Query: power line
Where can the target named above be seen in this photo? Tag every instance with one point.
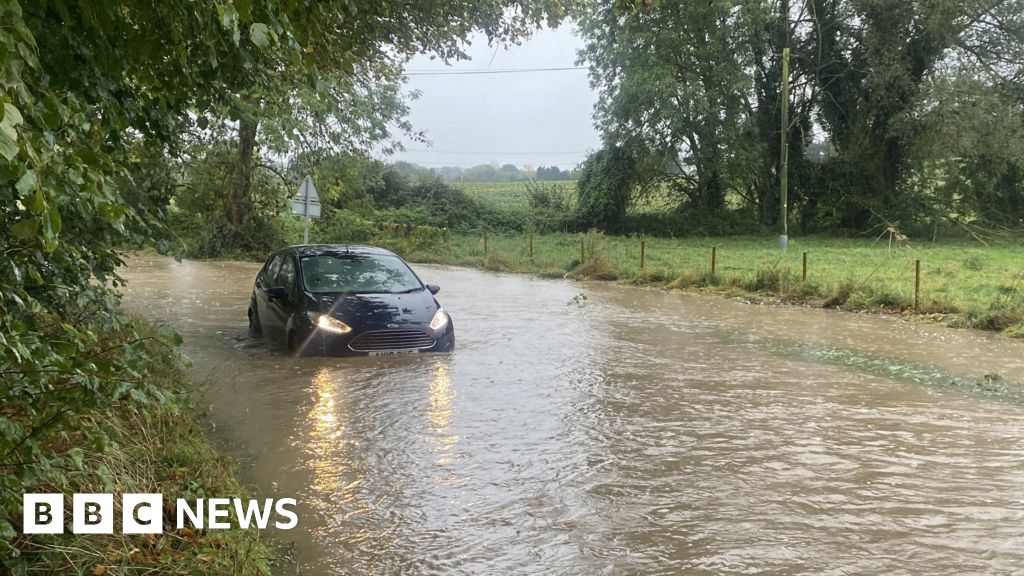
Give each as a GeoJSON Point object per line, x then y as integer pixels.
{"type": "Point", "coordinates": [483, 152]}
{"type": "Point", "coordinates": [490, 71]}
{"type": "Point", "coordinates": [439, 164]}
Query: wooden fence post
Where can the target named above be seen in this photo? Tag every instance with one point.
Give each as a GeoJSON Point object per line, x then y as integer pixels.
{"type": "Point", "coordinates": [531, 246]}
{"type": "Point", "coordinates": [642, 254]}
{"type": "Point", "coordinates": [804, 277]}
{"type": "Point", "coordinates": [917, 284]}
{"type": "Point", "coordinates": [714, 260]}
{"type": "Point", "coordinates": [485, 243]}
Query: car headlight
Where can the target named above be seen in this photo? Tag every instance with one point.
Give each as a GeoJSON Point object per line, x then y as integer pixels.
{"type": "Point", "coordinates": [440, 319]}
{"type": "Point", "coordinates": [328, 324]}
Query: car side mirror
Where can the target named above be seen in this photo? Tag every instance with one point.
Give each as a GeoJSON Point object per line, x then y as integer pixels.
{"type": "Point", "coordinates": [277, 292]}
{"type": "Point", "coordinates": [434, 288]}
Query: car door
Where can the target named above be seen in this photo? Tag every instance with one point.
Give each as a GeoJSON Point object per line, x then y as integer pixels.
{"type": "Point", "coordinates": [282, 308]}
{"type": "Point", "coordinates": [266, 280]}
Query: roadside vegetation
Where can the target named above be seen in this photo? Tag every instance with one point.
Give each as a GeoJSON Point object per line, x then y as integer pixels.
{"type": "Point", "coordinates": [971, 276]}
{"type": "Point", "coordinates": [134, 439]}
{"type": "Point", "coordinates": [127, 125]}
{"type": "Point", "coordinates": [962, 283]}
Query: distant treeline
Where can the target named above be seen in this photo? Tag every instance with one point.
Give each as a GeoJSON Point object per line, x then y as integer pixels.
{"type": "Point", "coordinates": [484, 173]}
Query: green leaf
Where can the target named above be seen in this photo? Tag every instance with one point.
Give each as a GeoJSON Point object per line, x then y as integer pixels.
{"type": "Point", "coordinates": [8, 135]}
{"type": "Point", "coordinates": [8, 145]}
{"type": "Point", "coordinates": [25, 229]}
{"type": "Point", "coordinates": [37, 203]}
{"type": "Point", "coordinates": [138, 396]}
{"type": "Point", "coordinates": [244, 8]}
{"type": "Point", "coordinates": [27, 55]}
{"type": "Point", "coordinates": [259, 34]}
{"type": "Point", "coordinates": [7, 531]}
{"type": "Point", "coordinates": [27, 183]}
{"type": "Point", "coordinates": [12, 116]}
{"type": "Point", "coordinates": [112, 212]}
{"type": "Point", "coordinates": [53, 112]}
{"type": "Point", "coordinates": [55, 220]}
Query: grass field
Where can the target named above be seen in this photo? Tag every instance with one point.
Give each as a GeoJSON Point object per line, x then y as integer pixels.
{"type": "Point", "coordinates": [962, 283]}
{"type": "Point", "coordinates": [513, 196]}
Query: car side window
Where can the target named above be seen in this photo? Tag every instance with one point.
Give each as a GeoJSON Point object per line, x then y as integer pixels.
{"type": "Point", "coordinates": [270, 274]}
{"type": "Point", "coordinates": [286, 277]}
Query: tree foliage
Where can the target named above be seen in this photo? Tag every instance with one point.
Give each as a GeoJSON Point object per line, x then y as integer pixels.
{"type": "Point", "coordinates": [95, 95]}
{"type": "Point", "coordinates": [892, 87]}
{"type": "Point", "coordinates": [608, 180]}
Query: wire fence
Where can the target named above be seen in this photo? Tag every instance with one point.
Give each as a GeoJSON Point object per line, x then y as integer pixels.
{"type": "Point", "coordinates": [862, 275]}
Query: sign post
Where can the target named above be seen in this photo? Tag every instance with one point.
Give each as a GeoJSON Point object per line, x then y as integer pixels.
{"type": "Point", "coordinates": [306, 204]}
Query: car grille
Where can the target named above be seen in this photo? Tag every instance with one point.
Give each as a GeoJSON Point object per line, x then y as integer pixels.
{"type": "Point", "coordinates": [391, 340]}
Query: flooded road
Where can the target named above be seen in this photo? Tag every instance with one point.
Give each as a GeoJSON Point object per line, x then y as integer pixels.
{"type": "Point", "coordinates": [631, 432]}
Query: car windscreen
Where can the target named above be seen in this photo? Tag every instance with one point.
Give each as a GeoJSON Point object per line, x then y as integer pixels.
{"type": "Point", "coordinates": [357, 274]}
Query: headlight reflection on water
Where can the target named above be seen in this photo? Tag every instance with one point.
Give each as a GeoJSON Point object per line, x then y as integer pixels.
{"type": "Point", "coordinates": [356, 479]}
{"type": "Point", "coordinates": [337, 474]}
{"type": "Point", "coordinates": [326, 433]}
{"type": "Point", "coordinates": [442, 396]}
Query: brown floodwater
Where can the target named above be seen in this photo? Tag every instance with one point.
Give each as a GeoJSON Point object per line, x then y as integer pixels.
{"type": "Point", "coordinates": [631, 432]}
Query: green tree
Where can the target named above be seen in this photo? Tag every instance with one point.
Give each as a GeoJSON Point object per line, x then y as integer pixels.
{"type": "Point", "coordinates": [693, 89]}
{"type": "Point", "coordinates": [878, 58]}
{"type": "Point", "coordinates": [510, 173]}
{"type": "Point", "coordinates": [481, 173]}
{"type": "Point", "coordinates": [676, 85]}
{"type": "Point", "coordinates": [970, 157]}
{"type": "Point", "coordinates": [609, 178]}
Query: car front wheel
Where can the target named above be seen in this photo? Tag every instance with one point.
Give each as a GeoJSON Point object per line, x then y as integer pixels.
{"type": "Point", "coordinates": [255, 329]}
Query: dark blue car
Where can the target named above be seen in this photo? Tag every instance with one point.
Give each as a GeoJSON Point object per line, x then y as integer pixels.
{"type": "Point", "coordinates": [347, 300]}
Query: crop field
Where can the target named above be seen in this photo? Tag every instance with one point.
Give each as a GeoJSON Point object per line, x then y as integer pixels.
{"type": "Point", "coordinates": [514, 196]}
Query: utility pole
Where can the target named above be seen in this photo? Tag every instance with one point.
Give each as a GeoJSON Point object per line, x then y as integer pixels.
{"type": "Point", "coordinates": [784, 155]}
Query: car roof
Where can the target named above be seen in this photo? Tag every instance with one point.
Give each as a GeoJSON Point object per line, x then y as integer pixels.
{"type": "Point", "coordinates": [303, 250]}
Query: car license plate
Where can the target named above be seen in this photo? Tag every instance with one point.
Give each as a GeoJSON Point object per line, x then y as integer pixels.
{"type": "Point", "coordinates": [393, 352]}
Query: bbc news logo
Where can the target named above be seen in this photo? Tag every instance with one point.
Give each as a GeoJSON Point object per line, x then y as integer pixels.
{"type": "Point", "coordinates": [144, 513]}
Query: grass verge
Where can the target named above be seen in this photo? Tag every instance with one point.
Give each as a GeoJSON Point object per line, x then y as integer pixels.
{"type": "Point", "coordinates": [146, 447]}
{"type": "Point", "coordinates": [962, 283]}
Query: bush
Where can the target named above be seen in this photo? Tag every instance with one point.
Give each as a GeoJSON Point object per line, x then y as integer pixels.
{"type": "Point", "coordinates": [767, 278]}
{"type": "Point", "coordinates": [256, 236]}
{"type": "Point", "coordinates": [105, 444]}
{"type": "Point", "coordinates": [650, 276]}
{"type": "Point", "coordinates": [433, 203]}
{"type": "Point", "coordinates": [341, 227]}
{"type": "Point", "coordinates": [995, 317]}
{"type": "Point", "coordinates": [606, 183]}
{"type": "Point", "coordinates": [595, 268]}
{"type": "Point", "coordinates": [694, 278]}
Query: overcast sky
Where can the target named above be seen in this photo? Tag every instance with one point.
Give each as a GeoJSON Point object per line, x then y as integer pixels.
{"type": "Point", "coordinates": [533, 118]}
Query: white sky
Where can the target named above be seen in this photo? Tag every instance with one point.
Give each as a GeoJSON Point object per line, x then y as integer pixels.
{"type": "Point", "coordinates": [533, 118]}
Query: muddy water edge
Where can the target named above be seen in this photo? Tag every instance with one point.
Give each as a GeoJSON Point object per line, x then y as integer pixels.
{"type": "Point", "coordinates": [632, 431]}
